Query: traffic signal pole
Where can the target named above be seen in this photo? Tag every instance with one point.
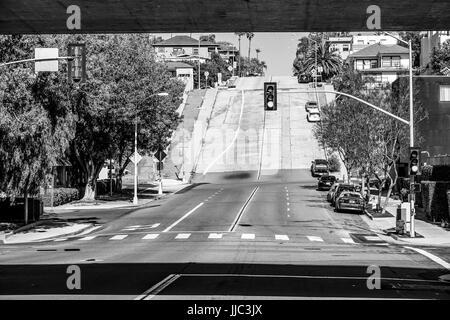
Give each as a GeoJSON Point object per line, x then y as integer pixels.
{"type": "Point", "coordinates": [411, 144]}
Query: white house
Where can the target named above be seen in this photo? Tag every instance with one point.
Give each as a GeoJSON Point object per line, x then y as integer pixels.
{"type": "Point", "coordinates": [385, 63]}
{"type": "Point", "coordinates": [362, 40]}
{"type": "Point", "coordinates": [182, 71]}
{"type": "Point", "coordinates": [184, 48]}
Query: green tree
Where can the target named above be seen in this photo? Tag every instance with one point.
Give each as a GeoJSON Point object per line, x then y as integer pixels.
{"type": "Point", "coordinates": [328, 59]}
{"type": "Point", "coordinates": [415, 42]}
{"type": "Point", "coordinates": [36, 123]}
{"type": "Point", "coordinates": [440, 58]}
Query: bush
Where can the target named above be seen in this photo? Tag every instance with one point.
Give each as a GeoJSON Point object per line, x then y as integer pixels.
{"type": "Point", "coordinates": [434, 199]}
{"type": "Point", "coordinates": [333, 163]}
{"type": "Point", "coordinates": [60, 196]}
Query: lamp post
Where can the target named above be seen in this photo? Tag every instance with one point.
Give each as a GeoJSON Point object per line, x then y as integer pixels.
{"type": "Point", "coordinates": [411, 132]}
{"type": "Point", "coordinates": [135, 197]}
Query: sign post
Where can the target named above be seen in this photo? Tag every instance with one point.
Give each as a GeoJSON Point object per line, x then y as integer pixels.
{"type": "Point", "coordinates": [160, 155]}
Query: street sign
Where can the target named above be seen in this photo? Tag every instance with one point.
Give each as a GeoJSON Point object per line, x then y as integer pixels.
{"type": "Point", "coordinates": [159, 166]}
{"type": "Point", "coordinates": [206, 74]}
{"type": "Point", "coordinates": [230, 68]}
{"type": "Point", "coordinates": [135, 158]}
{"type": "Point", "coordinates": [160, 155]}
{"type": "Point", "coordinates": [46, 66]}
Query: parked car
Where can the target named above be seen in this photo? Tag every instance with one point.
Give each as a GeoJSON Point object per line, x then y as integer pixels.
{"type": "Point", "coordinates": [331, 192]}
{"type": "Point", "coordinates": [350, 201]}
{"type": "Point", "coordinates": [341, 188]}
{"type": "Point", "coordinates": [304, 78]}
{"type": "Point", "coordinates": [325, 182]}
{"type": "Point", "coordinates": [313, 116]}
{"type": "Point", "coordinates": [319, 167]}
{"type": "Point", "coordinates": [311, 105]}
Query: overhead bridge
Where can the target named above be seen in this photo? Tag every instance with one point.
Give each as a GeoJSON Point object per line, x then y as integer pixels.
{"type": "Point", "coordinates": [130, 16]}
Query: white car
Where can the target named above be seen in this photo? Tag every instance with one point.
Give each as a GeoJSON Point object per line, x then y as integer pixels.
{"type": "Point", "coordinates": [313, 115]}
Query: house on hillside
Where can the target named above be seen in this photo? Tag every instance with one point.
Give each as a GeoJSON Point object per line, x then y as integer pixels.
{"type": "Point", "coordinates": [185, 48]}
{"type": "Point", "coordinates": [182, 71]}
{"type": "Point", "coordinates": [384, 63]}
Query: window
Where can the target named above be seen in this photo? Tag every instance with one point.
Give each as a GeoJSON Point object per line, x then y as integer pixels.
{"type": "Point", "coordinates": [345, 47]}
{"type": "Point", "coordinates": [444, 93]}
{"type": "Point", "coordinates": [195, 51]}
{"type": "Point", "coordinates": [391, 62]}
{"type": "Point", "coordinates": [177, 51]}
{"type": "Point", "coordinates": [161, 50]}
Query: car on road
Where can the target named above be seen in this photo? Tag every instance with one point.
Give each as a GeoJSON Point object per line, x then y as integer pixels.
{"type": "Point", "coordinates": [311, 105]}
{"type": "Point", "coordinates": [319, 167]}
{"type": "Point", "coordinates": [325, 182]}
{"type": "Point", "coordinates": [341, 188]}
{"type": "Point", "coordinates": [304, 78]}
{"type": "Point", "coordinates": [332, 190]}
{"type": "Point", "coordinates": [313, 116]}
{"type": "Point", "coordinates": [352, 201]}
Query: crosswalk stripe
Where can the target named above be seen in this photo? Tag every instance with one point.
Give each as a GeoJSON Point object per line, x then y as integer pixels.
{"type": "Point", "coordinates": [348, 240]}
{"type": "Point", "coordinates": [150, 236]}
{"type": "Point", "coordinates": [215, 236]}
{"type": "Point", "coordinates": [88, 238]}
{"type": "Point", "coordinates": [248, 236]}
{"type": "Point", "coordinates": [281, 237]}
{"type": "Point", "coordinates": [183, 236]}
{"type": "Point", "coordinates": [119, 237]}
{"type": "Point", "coordinates": [314, 238]}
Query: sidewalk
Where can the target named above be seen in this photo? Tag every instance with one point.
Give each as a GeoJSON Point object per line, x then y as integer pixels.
{"type": "Point", "coordinates": [79, 218]}
{"type": "Point", "coordinates": [427, 233]}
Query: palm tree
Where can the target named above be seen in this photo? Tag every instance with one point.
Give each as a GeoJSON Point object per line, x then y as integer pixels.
{"type": "Point", "coordinates": [249, 35]}
{"type": "Point", "coordinates": [257, 53]}
{"type": "Point", "coordinates": [328, 59]}
{"type": "Point", "coordinates": [239, 34]}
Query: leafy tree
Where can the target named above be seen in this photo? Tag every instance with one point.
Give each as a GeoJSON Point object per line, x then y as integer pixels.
{"type": "Point", "coordinates": [239, 35]}
{"type": "Point", "coordinates": [440, 58]}
{"type": "Point", "coordinates": [258, 51]}
{"type": "Point", "coordinates": [36, 124]}
{"type": "Point", "coordinates": [415, 41]}
{"type": "Point", "coordinates": [210, 38]}
{"type": "Point", "coordinates": [252, 66]}
{"type": "Point", "coordinates": [328, 59]}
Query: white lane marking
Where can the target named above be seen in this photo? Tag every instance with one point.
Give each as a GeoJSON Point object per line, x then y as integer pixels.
{"type": "Point", "coordinates": [157, 288]}
{"type": "Point", "coordinates": [372, 238]}
{"type": "Point", "coordinates": [288, 209]}
{"type": "Point", "coordinates": [119, 237]}
{"type": "Point", "coordinates": [348, 240]}
{"type": "Point", "coordinates": [314, 238]}
{"type": "Point", "coordinates": [183, 236]}
{"type": "Point", "coordinates": [183, 217]}
{"type": "Point", "coordinates": [215, 236]}
{"type": "Point", "coordinates": [87, 238]}
{"type": "Point", "coordinates": [248, 236]}
{"type": "Point", "coordinates": [281, 237]}
{"type": "Point", "coordinates": [137, 226]}
{"type": "Point", "coordinates": [61, 239]}
{"type": "Point", "coordinates": [232, 142]}
{"type": "Point", "coordinates": [288, 203]}
{"type": "Point", "coordinates": [151, 236]}
{"type": "Point", "coordinates": [431, 256]}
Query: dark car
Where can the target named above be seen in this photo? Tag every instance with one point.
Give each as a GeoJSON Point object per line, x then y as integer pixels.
{"type": "Point", "coordinates": [352, 201]}
{"type": "Point", "coordinates": [319, 167]}
{"type": "Point", "coordinates": [341, 188]}
{"type": "Point", "coordinates": [304, 78]}
{"type": "Point", "coordinates": [310, 105]}
{"type": "Point", "coordinates": [325, 182]}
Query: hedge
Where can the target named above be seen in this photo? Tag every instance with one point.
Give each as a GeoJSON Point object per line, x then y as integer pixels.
{"type": "Point", "coordinates": [435, 199]}
{"type": "Point", "coordinates": [60, 196]}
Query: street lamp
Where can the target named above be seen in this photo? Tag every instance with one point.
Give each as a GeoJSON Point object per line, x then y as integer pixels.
{"type": "Point", "coordinates": [135, 198]}
{"type": "Point", "coordinates": [411, 130]}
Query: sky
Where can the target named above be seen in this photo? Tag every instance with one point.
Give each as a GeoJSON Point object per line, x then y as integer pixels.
{"type": "Point", "coordinates": [277, 49]}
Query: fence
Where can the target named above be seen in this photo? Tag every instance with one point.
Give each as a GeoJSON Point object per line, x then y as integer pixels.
{"type": "Point", "coordinates": [438, 160]}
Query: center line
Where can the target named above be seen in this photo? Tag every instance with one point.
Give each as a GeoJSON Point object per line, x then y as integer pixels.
{"type": "Point", "coordinates": [182, 218]}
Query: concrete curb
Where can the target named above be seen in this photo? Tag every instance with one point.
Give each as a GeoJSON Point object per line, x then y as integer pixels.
{"type": "Point", "coordinates": [70, 234]}
{"type": "Point", "coordinates": [368, 214]}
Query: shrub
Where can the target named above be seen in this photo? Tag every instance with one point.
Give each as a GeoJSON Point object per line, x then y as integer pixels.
{"type": "Point", "coordinates": [60, 196]}
{"type": "Point", "coordinates": [103, 186]}
{"type": "Point", "coordinates": [333, 163]}
{"type": "Point", "coordinates": [435, 173]}
{"type": "Point", "coordinates": [434, 199]}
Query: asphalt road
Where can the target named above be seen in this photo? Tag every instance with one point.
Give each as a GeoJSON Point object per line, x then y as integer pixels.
{"type": "Point", "coordinates": [229, 236]}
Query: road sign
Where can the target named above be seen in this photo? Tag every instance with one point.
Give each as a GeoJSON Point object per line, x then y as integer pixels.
{"type": "Point", "coordinates": [159, 166]}
{"type": "Point", "coordinates": [206, 73]}
{"type": "Point", "coordinates": [160, 155]}
{"type": "Point", "coordinates": [230, 68]}
{"type": "Point", "coordinates": [46, 66]}
{"type": "Point", "coordinates": [135, 158]}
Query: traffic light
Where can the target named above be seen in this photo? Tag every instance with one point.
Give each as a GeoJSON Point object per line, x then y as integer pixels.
{"type": "Point", "coordinates": [77, 65]}
{"type": "Point", "coordinates": [414, 161]}
{"type": "Point", "coordinates": [270, 96]}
